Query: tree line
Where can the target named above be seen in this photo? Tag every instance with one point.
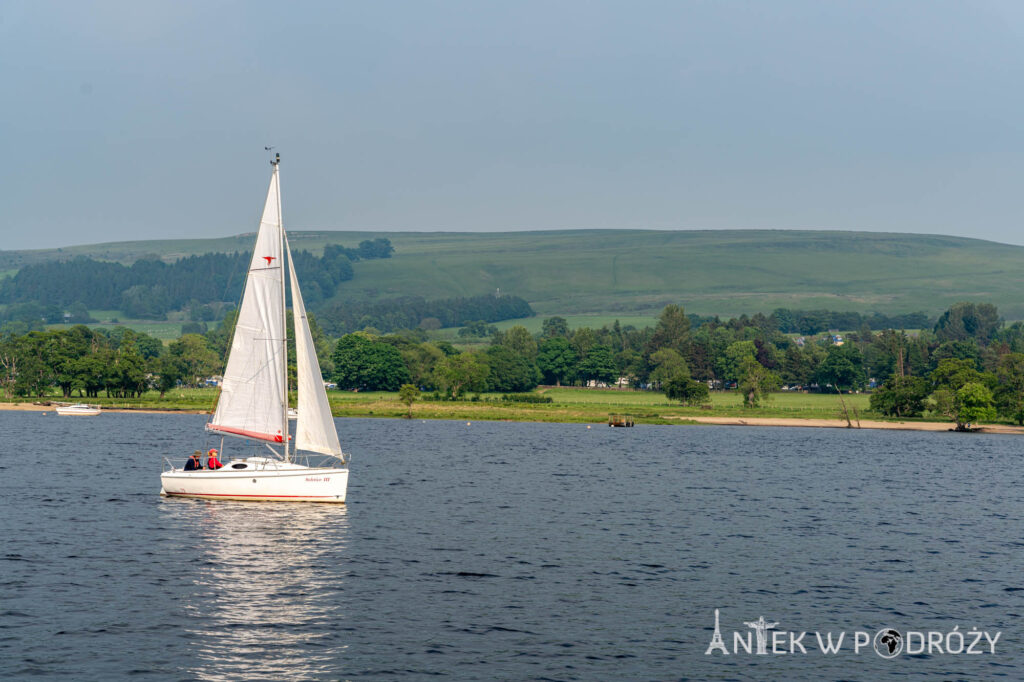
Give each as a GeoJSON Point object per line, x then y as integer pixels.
{"type": "Point", "coordinates": [122, 363]}
{"type": "Point", "coordinates": [817, 321]}
{"type": "Point", "coordinates": [83, 361]}
{"type": "Point", "coordinates": [412, 312]}
{"type": "Point", "coordinates": [968, 367]}
{"type": "Point", "coordinates": [150, 287]}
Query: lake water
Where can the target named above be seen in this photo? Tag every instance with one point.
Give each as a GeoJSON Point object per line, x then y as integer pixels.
{"type": "Point", "coordinates": [509, 551]}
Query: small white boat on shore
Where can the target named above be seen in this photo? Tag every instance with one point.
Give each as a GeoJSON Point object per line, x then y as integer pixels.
{"type": "Point", "coordinates": [253, 400]}
{"type": "Point", "coordinates": [78, 410]}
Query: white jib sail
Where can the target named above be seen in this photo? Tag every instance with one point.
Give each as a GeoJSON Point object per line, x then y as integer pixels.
{"type": "Point", "coordinates": [252, 394]}
{"type": "Point", "coordinates": [314, 428]}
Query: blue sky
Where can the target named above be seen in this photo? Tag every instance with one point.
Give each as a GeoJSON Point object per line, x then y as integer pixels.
{"type": "Point", "coordinates": [138, 120]}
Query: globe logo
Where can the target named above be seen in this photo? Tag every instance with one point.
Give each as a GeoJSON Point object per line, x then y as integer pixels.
{"type": "Point", "coordinates": [888, 643]}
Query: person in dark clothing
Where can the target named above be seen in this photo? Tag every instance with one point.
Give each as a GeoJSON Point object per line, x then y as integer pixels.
{"type": "Point", "coordinates": [194, 463]}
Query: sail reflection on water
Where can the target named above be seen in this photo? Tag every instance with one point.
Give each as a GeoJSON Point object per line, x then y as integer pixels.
{"type": "Point", "coordinates": [266, 603]}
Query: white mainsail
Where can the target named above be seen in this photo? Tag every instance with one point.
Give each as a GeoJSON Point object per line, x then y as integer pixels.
{"type": "Point", "coordinates": [251, 402]}
{"type": "Point", "coordinates": [314, 428]}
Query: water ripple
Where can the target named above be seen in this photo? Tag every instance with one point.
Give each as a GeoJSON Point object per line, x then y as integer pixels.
{"type": "Point", "coordinates": [507, 551]}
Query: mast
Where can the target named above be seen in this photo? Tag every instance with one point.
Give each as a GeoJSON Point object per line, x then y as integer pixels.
{"type": "Point", "coordinates": [284, 314]}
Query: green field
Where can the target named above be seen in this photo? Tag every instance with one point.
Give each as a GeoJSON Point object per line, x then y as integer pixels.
{"type": "Point", "coordinates": [569, 405]}
{"type": "Point", "coordinates": [163, 330]}
{"type": "Point", "coordinates": [638, 272]}
{"type": "Point", "coordinates": [632, 274]}
{"type": "Point", "coordinates": [724, 403]}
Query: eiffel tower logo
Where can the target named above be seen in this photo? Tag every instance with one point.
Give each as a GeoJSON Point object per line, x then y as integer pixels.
{"type": "Point", "coordinates": [716, 639]}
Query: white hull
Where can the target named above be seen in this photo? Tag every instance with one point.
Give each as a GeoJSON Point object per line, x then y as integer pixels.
{"type": "Point", "coordinates": [262, 480]}
{"type": "Point", "coordinates": [78, 411]}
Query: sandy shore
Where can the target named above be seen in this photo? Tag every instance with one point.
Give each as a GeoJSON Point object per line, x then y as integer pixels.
{"type": "Point", "coordinates": [841, 424]}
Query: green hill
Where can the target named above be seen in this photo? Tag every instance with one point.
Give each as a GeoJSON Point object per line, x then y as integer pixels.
{"type": "Point", "coordinates": [636, 272]}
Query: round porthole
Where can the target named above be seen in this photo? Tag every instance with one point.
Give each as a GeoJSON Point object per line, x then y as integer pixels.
{"type": "Point", "coordinates": [254, 480]}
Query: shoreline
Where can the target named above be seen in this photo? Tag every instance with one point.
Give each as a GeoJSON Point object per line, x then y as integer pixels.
{"type": "Point", "coordinates": [32, 407]}
{"type": "Point", "coordinates": [841, 424]}
{"type": "Point", "coordinates": [791, 422]}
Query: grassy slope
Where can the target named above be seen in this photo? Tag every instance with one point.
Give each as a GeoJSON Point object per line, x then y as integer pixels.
{"type": "Point", "coordinates": [711, 272]}
{"type": "Point", "coordinates": [633, 273]}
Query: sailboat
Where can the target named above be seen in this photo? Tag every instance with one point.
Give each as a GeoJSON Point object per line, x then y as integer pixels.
{"type": "Point", "coordinates": [253, 400]}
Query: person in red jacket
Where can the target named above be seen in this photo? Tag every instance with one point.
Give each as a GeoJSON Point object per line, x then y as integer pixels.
{"type": "Point", "coordinates": [211, 460]}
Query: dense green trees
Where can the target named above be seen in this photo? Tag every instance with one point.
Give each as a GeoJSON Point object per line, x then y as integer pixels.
{"type": "Point", "coordinates": [518, 339]}
{"type": "Point", "coordinates": [668, 364]}
{"type": "Point", "coordinates": [970, 368]}
{"type": "Point", "coordinates": [843, 367]}
{"type": "Point", "coordinates": [901, 397]}
{"type": "Point", "coordinates": [122, 363]}
{"type": "Point", "coordinates": [756, 382]}
{"type": "Point", "coordinates": [976, 321]}
{"type": "Point", "coordinates": [363, 363]}
{"type": "Point", "coordinates": [597, 365]}
{"type": "Point", "coordinates": [556, 360]}
{"type": "Point", "coordinates": [409, 312]}
{"type": "Point", "coordinates": [1009, 395]}
{"type": "Point", "coordinates": [962, 393]}
{"type": "Point", "coordinates": [193, 359]}
{"type": "Point", "coordinates": [553, 327]}
{"type": "Point", "coordinates": [811, 322]}
{"type": "Point", "coordinates": [509, 371]}
{"type": "Point", "coordinates": [970, 403]}
{"type": "Point", "coordinates": [730, 365]}
{"type": "Point", "coordinates": [149, 288]}
{"type": "Point", "coordinates": [456, 374]}
{"type": "Point", "coordinates": [686, 390]}
{"type": "Point", "coordinates": [672, 330]}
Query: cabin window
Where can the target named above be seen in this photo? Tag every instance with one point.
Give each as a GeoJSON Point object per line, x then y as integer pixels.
{"type": "Point", "coordinates": [239, 466]}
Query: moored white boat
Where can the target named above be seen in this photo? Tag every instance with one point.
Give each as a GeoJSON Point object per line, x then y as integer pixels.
{"type": "Point", "coordinates": [78, 410]}
{"type": "Point", "coordinates": [253, 402]}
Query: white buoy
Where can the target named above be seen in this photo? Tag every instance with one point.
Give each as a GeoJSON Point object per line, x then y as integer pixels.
{"type": "Point", "coordinates": [467, 423]}
{"type": "Point", "coordinates": [588, 426]}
